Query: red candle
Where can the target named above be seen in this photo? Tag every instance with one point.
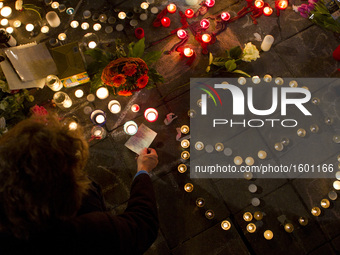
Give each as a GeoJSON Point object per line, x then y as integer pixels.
{"type": "Point", "coordinates": [151, 114]}
{"type": "Point", "coordinates": [259, 4]}
{"type": "Point", "coordinates": [189, 13]}
{"type": "Point", "coordinates": [205, 23]}
{"type": "Point", "coordinates": [171, 8]}
{"type": "Point", "coordinates": [166, 22]}
{"type": "Point", "coordinates": [188, 52]}
{"type": "Point", "coordinates": [225, 16]}
{"type": "Point", "coordinates": [267, 11]}
{"type": "Point", "coordinates": [210, 3]}
{"type": "Point", "coordinates": [182, 34]}
{"type": "Point", "coordinates": [206, 38]}
{"type": "Point", "coordinates": [135, 108]}
{"type": "Point", "coordinates": [139, 32]}
{"type": "Point", "coordinates": [282, 4]}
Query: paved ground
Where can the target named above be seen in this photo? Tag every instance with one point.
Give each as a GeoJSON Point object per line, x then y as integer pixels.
{"type": "Point", "coordinates": [300, 50]}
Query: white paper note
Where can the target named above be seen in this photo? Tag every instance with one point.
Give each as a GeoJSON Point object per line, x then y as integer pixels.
{"type": "Point", "coordinates": [142, 139]}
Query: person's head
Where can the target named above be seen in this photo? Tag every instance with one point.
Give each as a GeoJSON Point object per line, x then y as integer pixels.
{"type": "Point", "coordinates": [41, 175]}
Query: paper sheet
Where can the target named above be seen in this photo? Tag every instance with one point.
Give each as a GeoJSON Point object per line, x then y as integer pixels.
{"type": "Point", "coordinates": [142, 139]}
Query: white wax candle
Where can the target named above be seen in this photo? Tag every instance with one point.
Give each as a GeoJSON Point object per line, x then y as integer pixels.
{"type": "Point", "coordinates": [17, 23]}
{"type": "Point", "coordinates": [74, 24]}
{"type": "Point", "coordinates": [102, 93]}
{"type": "Point", "coordinates": [53, 19]}
{"type": "Point", "coordinates": [9, 30]}
{"type": "Point", "coordinates": [45, 29]}
{"type": "Point", "coordinates": [29, 27]}
{"type": "Point", "coordinates": [92, 44]}
{"type": "Point", "coordinates": [100, 119]}
{"type": "Point", "coordinates": [267, 42]}
{"type": "Point", "coordinates": [6, 11]}
{"type": "Point", "coordinates": [4, 22]}
{"type": "Point", "coordinates": [62, 36]}
{"type": "Point", "coordinates": [97, 27]}
{"type": "Point", "coordinates": [79, 93]}
{"type": "Point", "coordinates": [85, 26]}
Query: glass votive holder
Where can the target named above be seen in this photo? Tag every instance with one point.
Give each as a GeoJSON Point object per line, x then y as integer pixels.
{"type": "Point", "coordinates": [154, 10]}
{"type": "Point", "coordinates": [278, 146]}
{"type": "Point", "coordinates": [90, 40]}
{"type": "Point", "coordinates": [293, 84]}
{"type": "Point", "coordinates": [4, 22]}
{"type": "Point", "coordinates": [17, 23]}
{"type": "Point", "coordinates": [62, 100]}
{"type": "Point", "coordinates": [252, 188]}
{"type": "Point", "coordinates": [97, 27]}
{"type": "Point", "coordinates": [61, 7]}
{"type": "Point", "coordinates": [332, 195]}
{"type": "Point", "coordinates": [9, 30]}
{"type": "Point", "coordinates": [200, 202]}
{"type": "Point", "coordinates": [98, 117]}
{"type": "Point", "coordinates": [255, 201]}
{"type": "Point", "coordinates": [209, 214]}
{"type": "Point", "coordinates": [45, 29]}
{"type": "Point", "coordinates": [256, 79]}
{"type": "Point", "coordinates": [143, 17]}
{"type": "Point", "coordinates": [29, 27]}
{"type": "Point", "coordinates": [122, 15]}
{"type": "Point", "coordinates": [55, 5]}
{"type": "Point", "coordinates": [228, 152]}
{"type": "Point", "coordinates": [108, 29]}
{"type": "Point", "coordinates": [102, 93]}
{"type": "Point", "coordinates": [248, 176]}
{"type": "Point", "coordinates": [285, 141]}
{"type": "Point", "coordinates": [6, 12]}
{"type": "Point", "coordinates": [62, 37]}
{"type": "Point", "coordinates": [151, 114]}
{"type": "Point", "coordinates": [119, 27]}
{"type": "Point", "coordinates": [135, 108]}
{"type": "Point", "coordinates": [87, 14]}
{"type": "Point", "coordinates": [133, 23]}
{"type": "Point", "coordinates": [328, 121]}
{"type": "Point", "coordinates": [225, 225]}
{"type": "Point", "coordinates": [192, 113]}
{"type": "Point", "coordinates": [53, 42]}
{"type": "Point", "coordinates": [114, 106]}
{"type": "Point", "coordinates": [336, 185]}
{"type": "Point", "coordinates": [188, 187]}
{"type": "Point", "coordinates": [182, 168]}
{"type": "Point", "coordinates": [111, 20]}
{"type": "Point", "coordinates": [53, 82]}
{"type": "Point", "coordinates": [251, 227]}
{"type": "Point", "coordinates": [336, 138]}
{"type": "Point", "coordinates": [70, 11]}
{"type": "Point", "coordinates": [314, 128]}
{"type": "Point", "coordinates": [98, 132]}
{"type": "Point", "coordinates": [325, 203]}
{"type": "Point", "coordinates": [315, 101]}
{"type": "Point", "coordinates": [130, 127]}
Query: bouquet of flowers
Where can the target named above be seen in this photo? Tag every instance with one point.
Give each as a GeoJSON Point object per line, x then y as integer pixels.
{"type": "Point", "coordinates": [124, 73]}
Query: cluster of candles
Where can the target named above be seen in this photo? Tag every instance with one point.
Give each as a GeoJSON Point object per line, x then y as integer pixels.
{"type": "Point", "coordinates": [267, 10]}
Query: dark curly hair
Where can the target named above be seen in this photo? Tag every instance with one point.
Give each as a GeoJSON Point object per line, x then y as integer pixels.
{"type": "Point", "coordinates": [41, 175]}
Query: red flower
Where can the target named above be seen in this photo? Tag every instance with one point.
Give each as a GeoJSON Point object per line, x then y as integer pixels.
{"type": "Point", "coordinates": [129, 69]}
{"type": "Point", "coordinates": [142, 81]}
{"type": "Point", "coordinates": [39, 110]}
{"type": "Point", "coordinates": [118, 80]}
{"type": "Point", "coordinates": [125, 93]}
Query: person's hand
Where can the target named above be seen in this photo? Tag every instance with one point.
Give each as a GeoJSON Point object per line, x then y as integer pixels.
{"type": "Point", "coordinates": [147, 160]}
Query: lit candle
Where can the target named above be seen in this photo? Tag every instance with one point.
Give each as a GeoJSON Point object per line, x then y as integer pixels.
{"type": "Point", "coordinates": [102, 93]}
{"type": "Point", "coordinates": [165, 22]}
{"type": "Point", "coordinates": [185, 155]}
{"type": "Point", "coordinates": [199, 146]}
{"type": "Point", "coordinates": [98, 132]}
{"type": "Point", "coordinates": [184, 129]}
{"type": "Point", "coordinates": [98, 117]}
{"type": "Point", "coordinates": [200, 202]}
{"type": "Point", "coordinates": [258, 215]}
{"type": "Point", "coordinates": [151, 114]}
{"type": "Point", "coordinates": [144, 5]}
{"type": "Point", "coordinates": [205, 23]}
{"type": "Point", "coordinates": [249, 161]}
{"type": "Point", "coordinates": [92, 44]}
{"type": "Point", "coordinates": [248, 175]}
{"type": "Point", "coordinates": [135, 108]}
{"type": "Point", "coordinates": [267, 11]}
{"type": "Point", "coordinates": [17, 23]}
{"type": "Point", "coordinates": [278, 146]}
{"type": "Point", "coordinates": [70, 11]}
{"type": "Point", "coordinates": [97, 27]}
{"type": "Point", "coordinates": [225, 225]}
{"type": "Point", "coordinates": [316, 211]}
{"type": "Point", "coordinates": [289, 228]}
{"type": "Point", "coordinates": [267, 78]}
{"type": "Point", "coordinates": [337, 174]}
{"type": "Point", "coordinates": [268, 234]}
{"type": "Point", "coordinates": [301, 132]}
{"type": "Point", "coordinates": [219, 146]}
{"type": "Point", "coordinates": [85, 25]}
{"type": "Point", "coordinates": [130, 127]}
{"type": "Point", "coordinates": [256, 79]}
{"type": "Point", "coordinates": [188, 187]}
{"type": "Point", "coordinates": [4, 22]}
{"type": "Point", "coordinates": [325, 203]}
{"type": "Point", "coordinates": [189, 13]}
{"type": "Point", "coordinates": [210, 3]}
{"type": "Point", "coordinates": [262, 154]}
{"type": "Point", "coordinates": [182, 168]}
{"type": "Point", "coordinates": [185, 143]}
{"type": "Point", "coordinates": [29, 27]}
{"type": "Point", "coordinates": [225, 16]}
{"type": "Point", "coordinates": [238, 160]}
{"type": "Point", "coordinates": [267, 42]}
{"type": "Point", "coordinates": [259, 4]}
{"type": "Point", "coordinates": [74, 24]}
{"type": "Point", "coordinates": [171, 8]}
{"type": "Point", "coordinates": [293, 84]}
{"type": "Point", "coordinates": [102, 18]}
{"type": "Point", "coordinates": [6, 12]}
{"type": "Point", "coordinates": [336, 185]}
{"type": "Point", "coordinates": [1, 4]}
{"type": "Point", "coordinates": [247, 216]}
{"type": "Point", "coordinates": [251, 227]}
{"type": "Point", "coordinates": [45, 29]}
{"type": "Point", "coordinates": [206, 38]}
{"type": "Point", "coordinates": [55, 5]}
{"type": "Point", "coordinates": [122, 15]}
{"type": "Point", "coordinates": [181, 33]}
{"type": "Point", "coordinates": [209, 214]}
{"type": "Point", "coordinates": [241, 80]}
{"type": "Point", "coordinates": [62, 36]}
{"type": "Point", "coordinates": [282, 4]}
{"type": "Point", "coordinates": [303, 221]}
{"type": "Point", "coordinates": [79, 93]}
{"type": "Point", "coordinates": [314, 128]}
{"type": "Point", "coordinates": [188, 52]}
{"type": "Point", "coordinates": [9, 30]}
{"type": "Point", "coordinates": [73, 125]}
{"type": "Point", "coordinates": [114, 106]}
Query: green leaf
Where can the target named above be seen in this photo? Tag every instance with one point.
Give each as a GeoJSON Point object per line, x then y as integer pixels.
{"type": "Point", "coordinates": [96, 54]}
{"type": "Point", "coordinates": [222, 63]}
{"type": "Point", "coordinates": [155, 76]}
{"type": "Point", "coordinates": [219, 60]}
{"type": "Point", "coordinates": [208, 69]}
{"type": "Point", "coordinates": [235, 52]}
{"type": "Point", "coordinates": [230, 65]}
{"type": "Point", "coordinates": [138, 48]}
{"type": "Point", "coordinates": [130, 49]}
{"type": "Point", "coordinates": [211, 58]}
{"type": "Point", "coordinates": [241, 72]}
{"type": "Point", "coordinates": [96, 81]}
{"type": "Point", "coordinates": [152, 57]}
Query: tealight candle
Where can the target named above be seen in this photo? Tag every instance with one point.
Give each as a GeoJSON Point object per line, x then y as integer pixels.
{"type": "Point", "coordinates": [205, 23]}
{"type": "Point", "coordinates": [165, 22]}
{"type": "Point", "coordinates": [238, 160]}
{"type": "Point", "coordinates": [241, 81]}
{"type": "Point", "coordinates": [282, 4]}
{"type": "Point", "coordinates": [206, 38]}
{"type": "Point", "coordinates": [9, 30]}
{"type": "Point", "coordinates": [262, 154]}
{"type": "Point", "coordinates": [255, 201]}
{"type": "Point", "coordinates": [87, 14]}
{"type": "Point", "coordinates": [1, 4]}
{"type": "Point", "coordinates": [200, 202]}
{"type": "Point", "coordinates": [97, 27]}
{"type": "Point", "coordinates": [209, 214]}
{"type": "Point", "coordinates": [70, 11]}
{"type": "Point", "coordinates": [268, 234]}
{"type": "Point", "coordinates": [256, 79]}
{"type": "Point", "coordinates": [45, 29]}
{"type": "Point", "coordinates": [332, 195]}
{"type": "Point", "coordinates": [72, 125]}
{"type": "Point", "coordinates": [119, 27]}
{"type": "Point", "coordinates": [135, 108]}
{"type": "Point", "coordinates": [144, 5]}
{"type": "Point", "coordinates": [314, 128]}
{"type": "Point", "coordinates": [74, 24]}
{"type": "Point", "coordinates": [130, 127]}
{"type": "Point", "coordinates": [55, 5]}
{"type": "Point", "coordinates": [251, 227]}
{"type": "Point", "coordinates": [6, 12]}
{"type": "Point", "coordinates": [293, 84]}
{"type": "Point", "coordinates": [249, 161]}
{"type": "Point", "coordinates": [181, 33]}
{"type": "Point", "coordinates": [79, 93]}
{"type": "Point", "coordinates": [188, 187]}
{"type": "Point", "coordinates": [4, 22]}
{"type": "Point", "coordinates": [29, 27]}
{"type": "Point", "coordinates": [336, 185]}
{"type": "Point", "coordinates": [247, 216]}
{"type": "Point", "coordinates": [102, 18]}
{"type": "Point", "coordinates": [185, 155]}
{"type": "Point", "coordinates": [267, 11]}
{"type": "Point", "coordinates": [316, 211]}
{"type": "Point", "coordinates": [62, 36]}
{"type": "Point", "coordinates": [258, 215]}
{"type": "Point", "coordinates": [102, 93]}
{"type": "Point", "coordinates": [301, 132]}
{"type": "Point", "coordinates": [252, 188]}
{"type": "Point", "coordinates": [278, 146]}
{"type": "Point", "coordinates": [337, 175]}
{"type": "Point", "coordinates": [85, 25]}
{"type": "Point", "coordinates": [325, 203]}
{"type": "Point", "coordinates": [98, 117]}
{"type": "Point", "coordinates": [248, 175]}
{"type": "Point", "coordinates": [259, 4]}
{"type": "Point", "coordinates": [92, 44]}
{"type": "Point", "coordinates": [61, 7]}
{"type": "Point", "coordinates": [315, 100]}
{"type": "Point", "coordinates": [154, 10]}
{"type": "Point", "coordinates": [114, 106]}
{"type": "Point", "coordinates": [17, 23]}
{"type": "Point", "coordinates": [188, 52]}
{"type": "Point", "coordinates": [303, 221]}
{"type": "Point", "coordinates": [143, 17]}
{"type": "Point", "coordinates": [189, 13]}
{"type": "Point", "coordinates": [279, 81]}
{"type": "Point", "coordinates": [219, 147]}
{"type": "Point", "coordinates": [151, 114]}
{"type": "Point", "coordinates": [225, 16]}
{"type": "Point", "coordinates": [267, 42]}
{"type": "Point", "coordinates": [289, 228]}
{"type": "Point", "coordinates": [267, 78]}
{"type": "Point", "coordinates": [122, 15]}
{"type": "Point", "coordinates": [192, 113]}
{"type": "Point", "coordinates": [185, 143]}
{"type": "Point", "coordinates": [53, 82]}
{"type": "Point", "coordinates": [182, 168]}
{"type": "Point", "coordinates": [98, 132]}
{"type": "Point", "coordinates": [209, 3]}
{"type": "Point", "coordinates": [199, 146]}
{"type": "Point", "coordinates": [185, 129]}
{"type": "Point", "coordinates": [225, 225]}
{"type": "Point", "coordinates": [171, 8]}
